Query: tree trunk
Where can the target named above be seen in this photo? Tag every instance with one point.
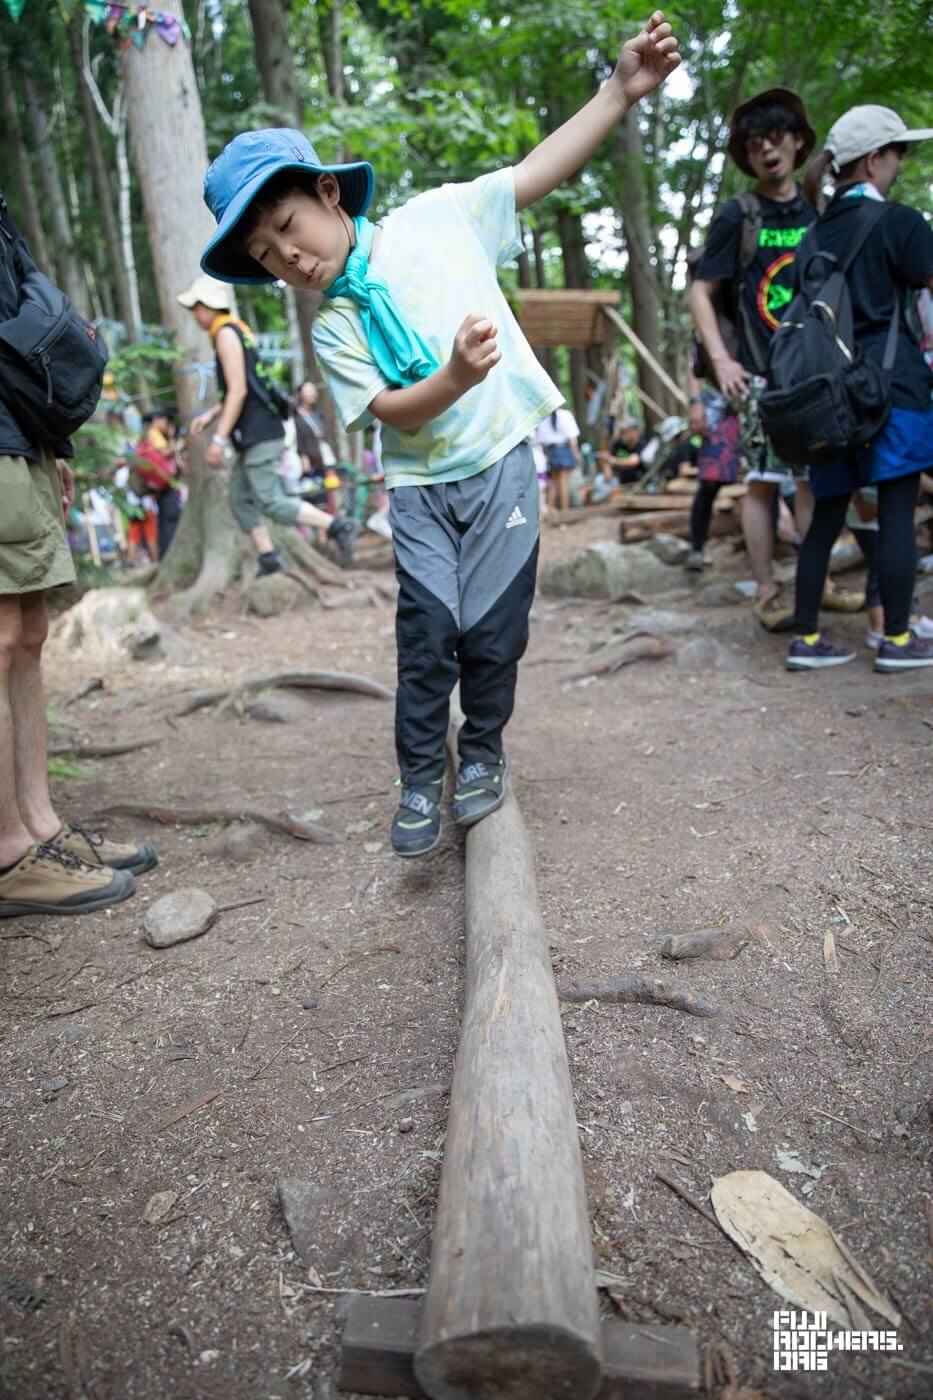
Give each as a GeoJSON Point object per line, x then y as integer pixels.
{"type": "Point", "coordinates": [167, 135]}
{"type": "Point", "coordinates": [68, 268]}
{"type": "Point", "coordinates": [576, 274]}
{"type": "Point", "coordinates": [32, 221]}
{"type": "Point", "coordinates": [547, 355]}
{"type": "Point", "coordinates": [637, 231]}
{"type": "Point", "coordinates": [330, 29]}
{"type": "Point", "coordinates": [274, 60]}
{"type": "Point", "coordinates": [103, 191]}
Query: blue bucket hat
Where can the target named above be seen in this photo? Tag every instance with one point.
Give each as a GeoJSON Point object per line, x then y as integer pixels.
{"type": "Point", "coordinates": [241, 170]}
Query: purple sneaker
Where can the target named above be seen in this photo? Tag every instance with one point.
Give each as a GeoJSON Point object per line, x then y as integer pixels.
{"type": "Point", "coordinates": [913, 653]}
{"type": "Point", "coordinates": [814, 656]}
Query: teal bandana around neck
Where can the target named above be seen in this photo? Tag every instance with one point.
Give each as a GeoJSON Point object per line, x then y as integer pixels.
{"type": "Point", "coordinates": [400, 354]}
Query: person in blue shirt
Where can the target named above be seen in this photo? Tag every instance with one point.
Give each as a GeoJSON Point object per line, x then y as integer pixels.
{"type": "Point", "coordinates": [414, 332]}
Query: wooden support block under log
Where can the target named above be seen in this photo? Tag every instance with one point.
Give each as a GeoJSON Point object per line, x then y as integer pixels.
{"type": "Point", "coordinates": [640, 1362]}
{"type": "Point", "coordinates": [510, 1311]}
{"type": "Point", "coordinates": [665, 501]}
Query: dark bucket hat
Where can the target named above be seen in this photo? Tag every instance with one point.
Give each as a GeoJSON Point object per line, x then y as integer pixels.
{"type": "Point", "coordinates": [243, 167]}
{"type": "Point", "coordinates": [786, 98]}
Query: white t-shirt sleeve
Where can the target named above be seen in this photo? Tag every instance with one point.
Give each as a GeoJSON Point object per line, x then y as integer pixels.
{"type": "Point", "coordinates": [347, 365]}
{"type": "Point", "coordinates": [489, 205]}
{"type": "Point", "coordinates": [567, 423]}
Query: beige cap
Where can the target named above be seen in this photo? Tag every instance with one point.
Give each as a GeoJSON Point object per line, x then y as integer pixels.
{"type": "Point", "coordinates": [862, 130]}
{"type": "Point", "coordinates": [218, 296]}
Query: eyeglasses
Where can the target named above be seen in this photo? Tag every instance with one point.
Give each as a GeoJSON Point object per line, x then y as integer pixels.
{"type": "Point", "coordinates": [774, 137]}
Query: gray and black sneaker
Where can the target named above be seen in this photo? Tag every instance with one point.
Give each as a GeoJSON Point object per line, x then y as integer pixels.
{"type": "Point", "coordinates": [416, 828]}
{"type": "Point", "coordinates": [270, 563]}
{"type": "Point", "coordinates": [480, 790]}
{"type": "Point", "coordinates": [342, 530]}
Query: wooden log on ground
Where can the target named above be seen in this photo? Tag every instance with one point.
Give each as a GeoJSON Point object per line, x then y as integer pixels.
{"type": "Point", "coordinates": [647, 1362]}
{"type": "Point", "coordinates": [633, 528]}
{"type": "Point", "coordinates": [511, 1309]}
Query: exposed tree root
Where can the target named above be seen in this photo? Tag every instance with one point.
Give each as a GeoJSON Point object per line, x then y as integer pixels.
{"type": "Point", "coordinates": [640, 646]}
{"type": "Point", "coordinates": [88, 749]}
{"type": "Point", "coordinates": [646, 991]}
{"type": "Point", "coordinates": [304, 555]}
{"type": "Point", "coordinates": [310, 680]}
{"type": "Point", "coordinates": [282, 822]}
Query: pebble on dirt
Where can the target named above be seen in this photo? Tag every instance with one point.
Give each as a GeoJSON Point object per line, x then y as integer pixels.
{"type": "Point", "coordinates": [177, 917]}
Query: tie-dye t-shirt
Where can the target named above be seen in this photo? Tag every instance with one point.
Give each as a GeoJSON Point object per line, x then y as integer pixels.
{"type": "Point", "coordinates": [438, 255]}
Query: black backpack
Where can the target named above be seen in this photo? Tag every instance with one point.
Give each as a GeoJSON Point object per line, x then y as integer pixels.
{"type": "Point", "coordinates": [51, 359]}
{"type": "Point", "coordinates": [728, 298]}
{"type": "Point", "coordinates": [824, 397]}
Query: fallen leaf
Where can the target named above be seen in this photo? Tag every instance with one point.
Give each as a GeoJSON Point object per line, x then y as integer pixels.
{"type": "Point", "coordinates": [830, 958]}
{"type": "Point", "coordinates": [749, 1120]}
{"type": "Point", "coordinates": [738, 1086]}
{"type": "Point", "coordinates": [314, 1277]}
{"type": "Point", "coordinates": [158, 1206]}
{"type": "Point", "coordinates": [794, 1250]}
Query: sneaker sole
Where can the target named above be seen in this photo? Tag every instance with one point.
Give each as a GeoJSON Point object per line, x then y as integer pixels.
{"type": "Point", "coordinates": [792, 664]}
{"type": "Point", "coordinates": [10, 909]}
{"type": "Point", "coordinates": [147, 859]}
{"type": "Point", "coordinates": [474, 817]}
{"type": "Point", "coordinates": [413, 855]}
{"type": "Point", "coordinates": [892, 666]}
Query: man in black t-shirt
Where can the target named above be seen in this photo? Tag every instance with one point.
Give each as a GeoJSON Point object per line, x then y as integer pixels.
{"type": "Point", "coordinates": [770, 138]}
{"type": "Point", "coordinates": [249, 433]}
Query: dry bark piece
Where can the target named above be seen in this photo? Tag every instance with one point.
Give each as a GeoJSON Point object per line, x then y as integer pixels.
{"type": "Point", "coordinates": [794, 1250]}
{"type": "Point", "coordinates": [645, 991]}
{"type": "Point", "coordinates": [88, 748]}
{"type": "Point", "coordinates": [714, 943]}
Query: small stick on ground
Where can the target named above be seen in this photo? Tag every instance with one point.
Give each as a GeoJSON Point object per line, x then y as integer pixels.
{"type": "Point", "coordinates": [273, 1058]}
{"type": "Point", "coordinates": [91, 684]}
{"type": "Point", "coordinates": [685, 1195]}
{"type": "Point", "coordinates": [645, 991]}
{"type": "Point", "coordinates": [197, 816]}
{"type": "Point", "coordinates": [189, 1108]}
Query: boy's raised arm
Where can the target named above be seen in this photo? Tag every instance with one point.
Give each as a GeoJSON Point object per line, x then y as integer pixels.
{"type": "Point", "coordinates": [644, 62]}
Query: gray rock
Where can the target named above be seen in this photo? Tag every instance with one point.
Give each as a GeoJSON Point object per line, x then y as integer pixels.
{"type": "Point", "coordinates": [270, 595]}
{"type": "Point", "coordinates": [717, 595]}
{"type": "Point", "coordinates": [268, 712]}
{"type": "Point", "coordinates": [177, 917]}
{"type": "Point", "coordinates": [241, 842]}
{"type": "Point", "coordinates": [50, 1087]}
{"type": "Point", "coordinates": [670, 549]}
{"type": "Point", "coordinates": [662, 622]}
{"type": "Point", "coordinates": [605, 570]}
{"type": "Point", "coordinates": [108, 624]}
{"type": "Point", "coordinates": [705, 654]}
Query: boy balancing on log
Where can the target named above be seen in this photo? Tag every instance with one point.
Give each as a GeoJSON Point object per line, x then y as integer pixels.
{"type": "Point", "coordinates": [415, 332]}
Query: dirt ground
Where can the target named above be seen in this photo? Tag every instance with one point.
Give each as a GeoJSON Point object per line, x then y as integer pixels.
{"type": "Point", "coordinates": [285, 1041]}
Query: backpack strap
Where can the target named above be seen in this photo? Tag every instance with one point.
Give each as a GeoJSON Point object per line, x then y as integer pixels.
{"type": "Point", "coordinates": [750, 205]}
{"type": "Point", "coordinates": [872, 212]}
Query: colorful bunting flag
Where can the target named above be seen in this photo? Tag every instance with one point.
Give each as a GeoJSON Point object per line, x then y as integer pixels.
{"type": "Point", "coordinates": [129, 24]}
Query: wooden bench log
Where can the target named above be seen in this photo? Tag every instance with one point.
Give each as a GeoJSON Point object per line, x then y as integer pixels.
{"type": "Point", "coordinates": [642, 1362]}
{"type": "Point", "coordinates": [511, 1307]}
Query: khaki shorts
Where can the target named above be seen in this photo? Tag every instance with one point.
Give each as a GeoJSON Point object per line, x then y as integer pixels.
{"type": "Point", "coordinates": [256, 490]}
{"type": "Point", "coordinates": [34, 553]}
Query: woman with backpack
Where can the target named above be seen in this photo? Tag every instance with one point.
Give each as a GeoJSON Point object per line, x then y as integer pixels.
{"type": "Point", "coordinates": [865, 148]}
{"type": "Point", "coordinates": [559, 436]}
{"type": "Point", "coordinates": [249, 433]}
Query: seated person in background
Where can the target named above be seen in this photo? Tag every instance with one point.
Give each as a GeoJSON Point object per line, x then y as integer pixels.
{"type": "Point", "coordinates": [155, 464]}
{"type": "Point", "coordinates": [625, 454]}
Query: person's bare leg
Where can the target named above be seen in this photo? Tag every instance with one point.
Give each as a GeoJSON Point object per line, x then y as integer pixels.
{"type": "Point", "coordinates": [313, 515]}
{"type": "Point", "coordinates": [758, 529]}
{"type": "Point", "coordinates": [803, 508]}
{"type": "Point", "coordinates": [15, 837]}
{"type": "Point", "coordinates": [563, 486]}
{"type": "Point", "coordinates": [261, 539]}
{"type": "Point", "coordinates": [30, 732]}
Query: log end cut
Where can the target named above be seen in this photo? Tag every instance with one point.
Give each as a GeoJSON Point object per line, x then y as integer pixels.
{"type": "Point", "coordinates": [520, 1362]}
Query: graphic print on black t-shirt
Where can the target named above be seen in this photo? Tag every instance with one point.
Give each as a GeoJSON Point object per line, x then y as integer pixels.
{"type": "Point", "coordinates": [768, 284]}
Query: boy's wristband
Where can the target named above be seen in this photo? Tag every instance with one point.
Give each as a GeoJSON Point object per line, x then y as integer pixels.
{"type": "Point", "coordinates": [220, 440]}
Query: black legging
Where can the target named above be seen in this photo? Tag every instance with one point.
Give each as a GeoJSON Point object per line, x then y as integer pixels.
{"type": "Point", "coordinates": [897, 554]}
{"type": "Point", "coordinates": [701, 513]}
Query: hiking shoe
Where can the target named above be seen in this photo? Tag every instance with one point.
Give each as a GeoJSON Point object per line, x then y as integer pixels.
{"type": "Point", "coordinates": [270, 563]}
{"type": "Point", "coordinates": [342, 531]}
{"type": "Point", "coordinates": [839, 599]}
{"type": "Point", "coordinates": [908, 653]}
{"type": "Point", "coordinates": [416, 828]}
{"type": "Point", "coordinates": [51, 880]}
{"type": "Point", "coordinates": [694, 562]}
{"type": "Point", "coordinates": [774, 613]}
{"type": "Point", "coordinates": [815, 653]}
{"type": "Point", "coordinates": [480, 790]}
{"type": "Point", "coordinates": [94, 849]}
